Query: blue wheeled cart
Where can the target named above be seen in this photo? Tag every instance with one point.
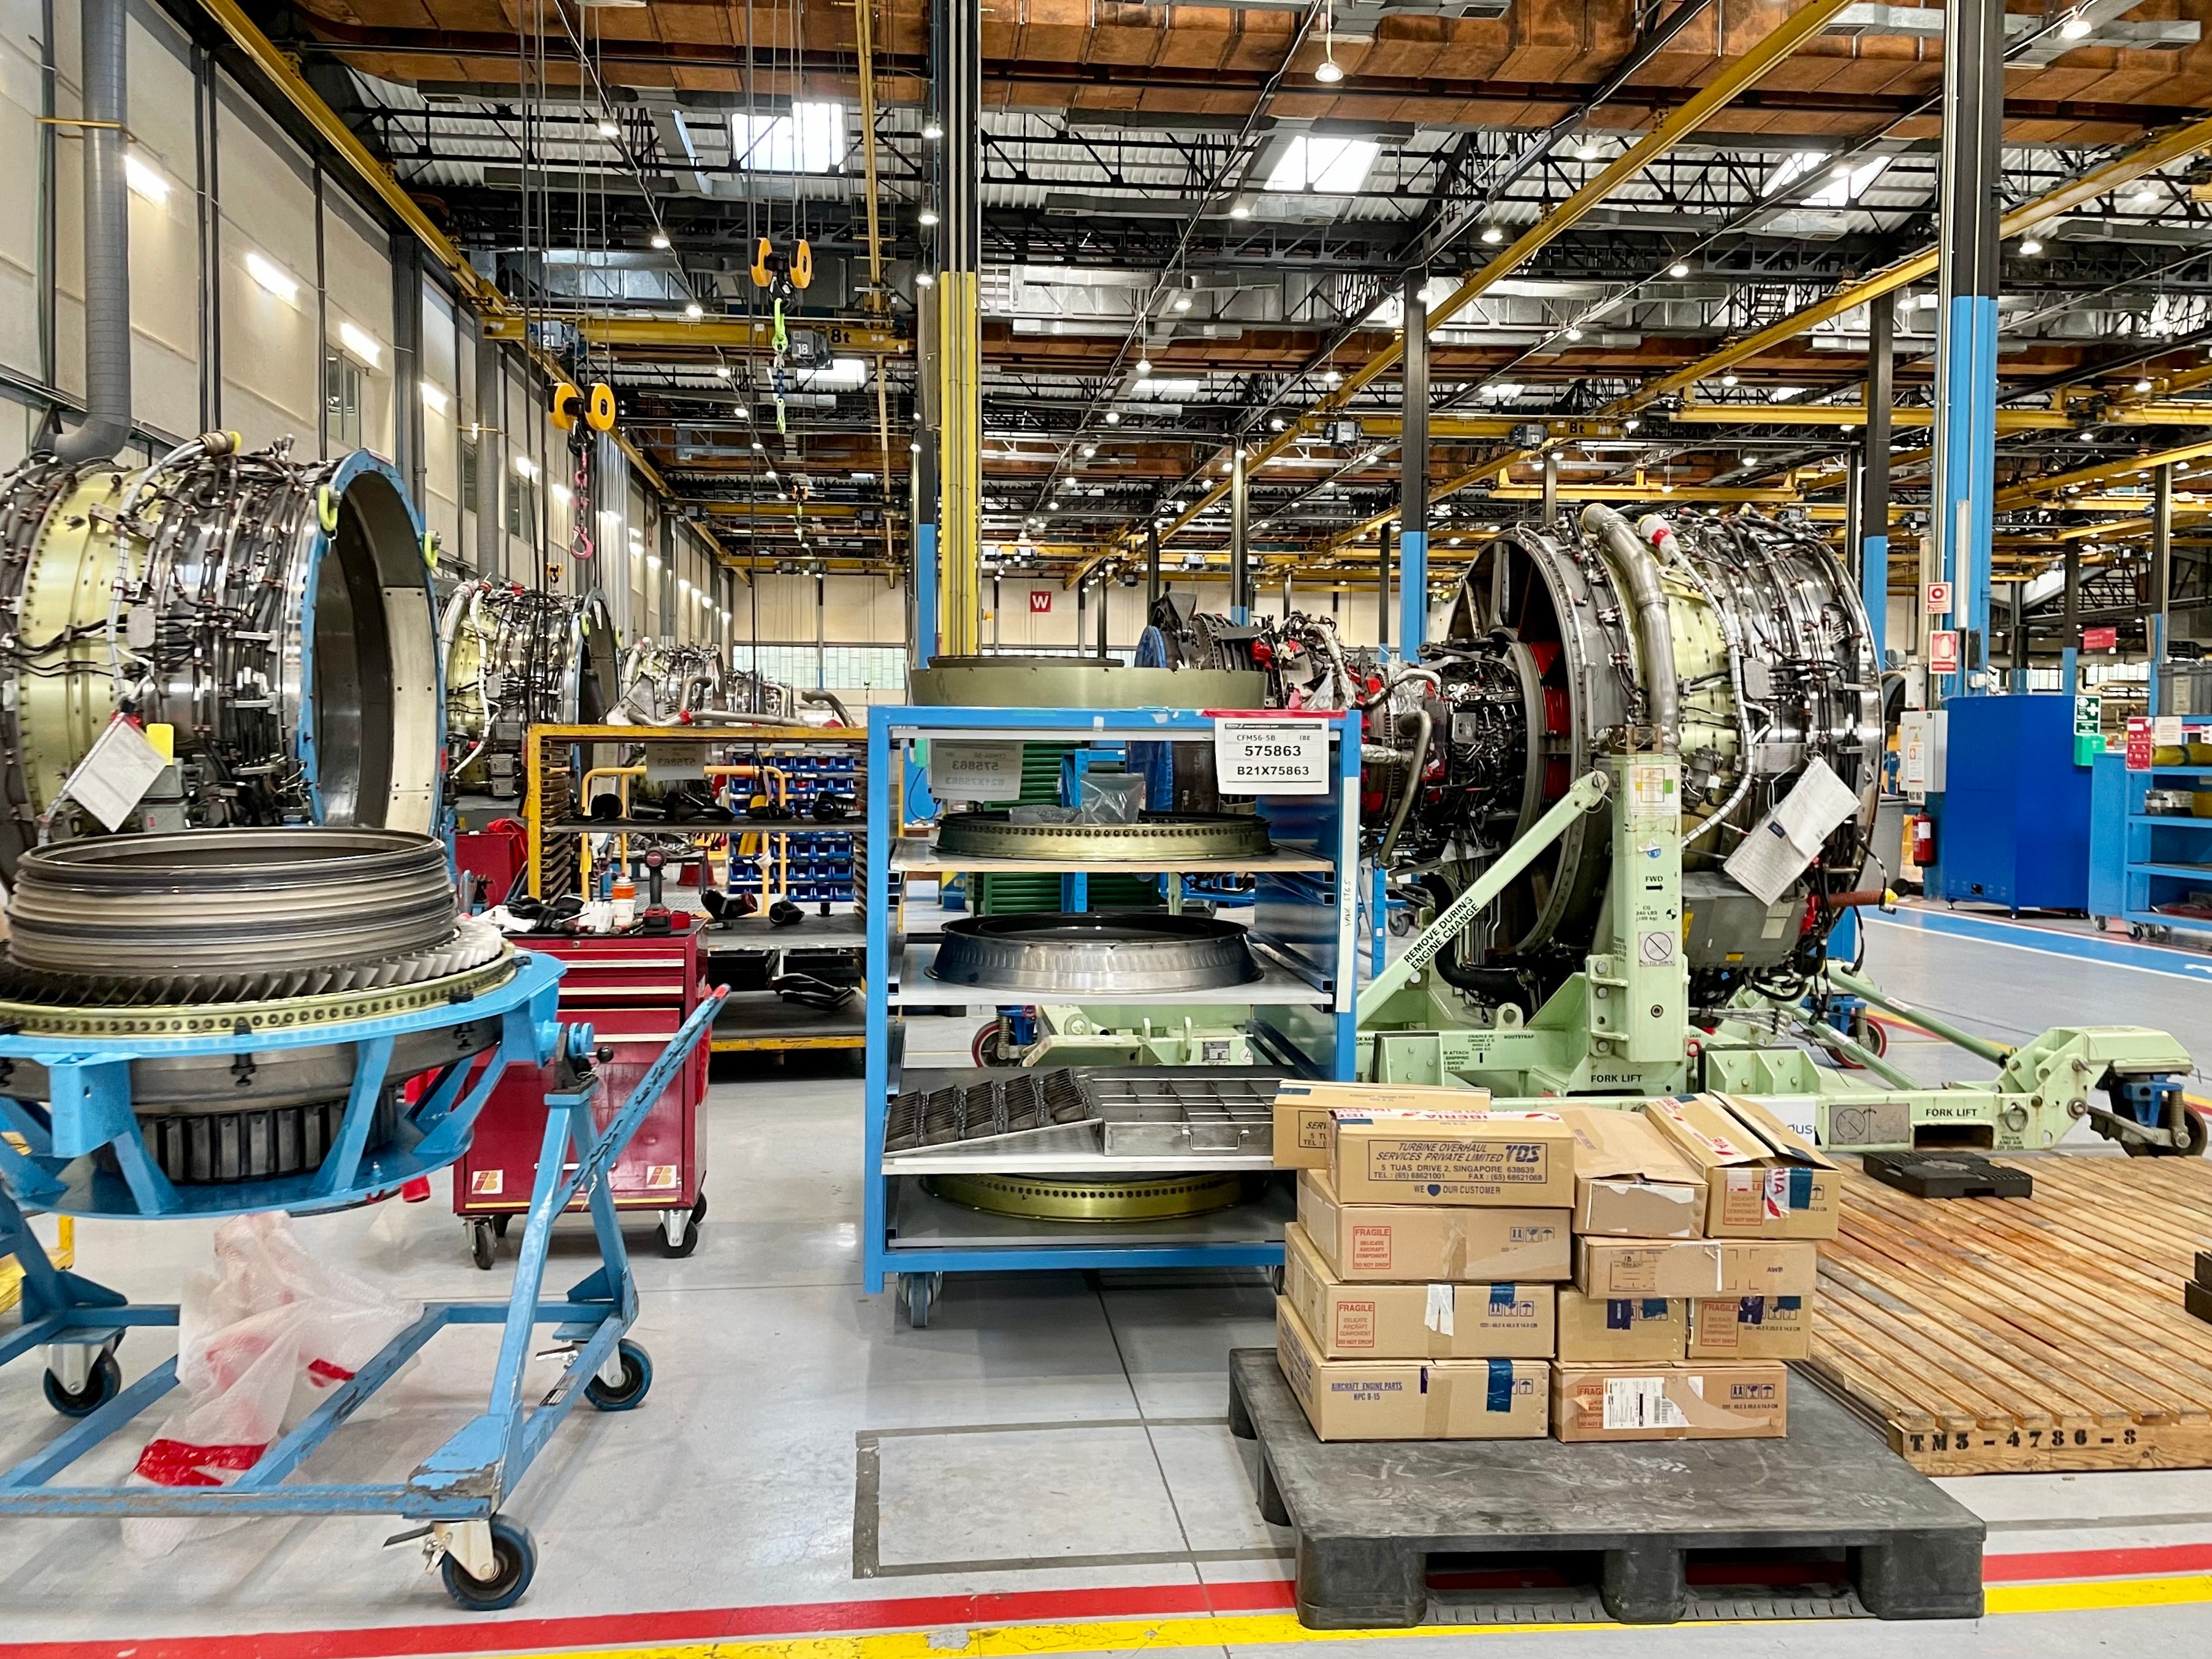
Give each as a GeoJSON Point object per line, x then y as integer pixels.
{"type": "Point", "coordinates": [82, 1154]}
{"type": "Point", "coordinates": [2166, 874]}
{"type": "Point", "coordinates": [1303, 931]}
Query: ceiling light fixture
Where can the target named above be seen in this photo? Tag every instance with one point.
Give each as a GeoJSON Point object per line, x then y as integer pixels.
{"type": "Point", "coordinates": [923, 279]}
{"type": "Point", "coordinates": [932, 131]}
{"type": "Point", "coordinates": [2075, 28]}
{"type": "Point", "coordinates": [1491, 235]}
{"type": "Point", "coordinates": [660, 241]}
{"type": "Point", "coordinates": [1144, 368]}
{"type": "Point", "coordinates": [1240, 211]}
{"type": "Point", "coordinates": [1728, 379]}
{"type": "Point", "coordinates": [1328, 71]}
{"type": "Point", "coordinates": [1332, 379]}
{"type": "Point", "coordinates": [607, 128]}
{"type": "Point", "coordinates": [694, 310]}
{"type": "Point", "coordinates": [1573, 333]}
{"type": "Point", "coordinates": [2142, 385]}
{"type": "Point", "coordinates": [1678, 270]}
{"type": "Point", "coordinates": [928, 218]}
{"type": "Point", "coordinates": [1112, 417]}
{"type": "Point", "coordinates": [1183, 303]}
{"type": "Point", "coordinates": [2031, 246]}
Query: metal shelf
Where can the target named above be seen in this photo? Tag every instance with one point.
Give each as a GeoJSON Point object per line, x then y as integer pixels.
{"type": "Point", "coordinates": [2183, 871]}
{"type": "Point", "coordinates": [2169, 820]}
{"type": "Point", "coordinates": [1278, 985]}
{"type": "Point", "coordinates": [915, 856]}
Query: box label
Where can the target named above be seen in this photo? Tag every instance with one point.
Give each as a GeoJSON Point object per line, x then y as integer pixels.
{"type": "Point", "coordinates": [1438, 1164]}
{"type": "Point", "coordinates": [1371, 1247]}
{"type": "Point", "coordinates": [960, 769]}
{"type": "Point", "coordinates": [1437, 1316]}
{"type": "Point", "coordinates": [1355, 1324]}
{"type": "Point", "coordinates": [1640, 1402]}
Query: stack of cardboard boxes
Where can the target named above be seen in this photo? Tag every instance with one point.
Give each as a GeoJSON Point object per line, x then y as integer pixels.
{"type": "Point", "coordinates": [1424, 1293]}
{"type": "Point", "coordinates": [1420, 1278]}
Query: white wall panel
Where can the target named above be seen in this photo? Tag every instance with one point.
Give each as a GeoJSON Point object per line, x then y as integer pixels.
{"type": "Point", "coordinates": [271, 360]}
{"type": "Point", "coordinates": [19, 103]}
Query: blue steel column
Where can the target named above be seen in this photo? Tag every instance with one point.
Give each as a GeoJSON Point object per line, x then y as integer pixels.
{"type": "Point", "coordinates": [1874, 484]}
{"type": "Point", "coordinates": [1413, 476]}
{"type": "Point", "coordinates": [1966, 343]}
{"type": "Point", "coordinates": [1240, 539]}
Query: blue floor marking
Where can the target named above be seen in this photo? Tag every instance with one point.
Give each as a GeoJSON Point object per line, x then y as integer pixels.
{"type": "Point", "coordinates": [2080, 947]}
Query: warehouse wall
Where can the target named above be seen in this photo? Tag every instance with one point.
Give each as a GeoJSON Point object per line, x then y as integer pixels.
{"type": "Point", "coordinates": [263, 286]}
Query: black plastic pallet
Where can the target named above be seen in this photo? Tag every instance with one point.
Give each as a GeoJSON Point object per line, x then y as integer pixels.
{"type": "Point", "coordinates": [2205, 1269]}
{"type": "Point", "coordinates": [2197, 1299]}
{"type": "Point", "coordinates": [1948, 1174]}
{"type": "Point", "coordinates": [1378, 1523]}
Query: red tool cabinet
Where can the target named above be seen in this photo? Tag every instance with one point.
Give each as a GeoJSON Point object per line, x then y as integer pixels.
{"type": "Point", "coordinates": [634, 989]}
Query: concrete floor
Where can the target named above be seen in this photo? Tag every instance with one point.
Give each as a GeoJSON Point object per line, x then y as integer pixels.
{"type": "Point", "coordinates": [1050, 1433]}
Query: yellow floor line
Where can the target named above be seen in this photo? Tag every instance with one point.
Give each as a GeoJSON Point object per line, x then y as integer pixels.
{"type": "Point", "coordinates": [1279, 1629]}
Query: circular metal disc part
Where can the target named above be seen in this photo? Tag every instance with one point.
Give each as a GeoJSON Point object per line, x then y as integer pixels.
{"type": "Point", "coordinates": [1134, 953]}
{"type": "Point", "coordinates": [1154, 838]}
{"type": "Point", "coordinates": [1091, 1198]}
{"type": "Point", "coordinates": [235, 915]}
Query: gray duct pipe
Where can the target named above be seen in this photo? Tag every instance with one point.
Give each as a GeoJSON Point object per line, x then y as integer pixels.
{"type": "Point", "coordinates": [1638, 574]}
{"type": "Point", "coordinates": [106, 242]}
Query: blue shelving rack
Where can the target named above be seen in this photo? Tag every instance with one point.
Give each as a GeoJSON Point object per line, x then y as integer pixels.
{"type": "Point", "coordinates": [1304, 929]}
{"type": "Point", "coordinates": [2168, 856]}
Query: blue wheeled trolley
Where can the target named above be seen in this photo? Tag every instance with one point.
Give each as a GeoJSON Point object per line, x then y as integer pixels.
{"type": "Point", "coordinates": [1303, 932]}
{"type": "Point", "coordinates": [2167, 865]}
{"type": "Point", "coordinates": [83, 1153]}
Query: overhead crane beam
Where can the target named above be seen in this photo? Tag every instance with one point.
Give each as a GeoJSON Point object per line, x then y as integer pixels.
{"type": "Point", "coordinates": [854, 336]}
{"type": "Point", "coordinates": [1733, 77]}
{"type": "Point", "coordinates": [2030, 490]}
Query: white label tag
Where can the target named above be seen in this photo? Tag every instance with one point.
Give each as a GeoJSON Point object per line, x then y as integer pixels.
{"type": "Point", "coordinates": [961, 770]}
{"type": "Point", "coordinates": [1270, 757]}
{"type": "Point", "coordinates": [1641, 1403]}
{"type": "Point", "coordinates": [1799, 1114]}
{"type": "Point", "coordinates": [115, 774]}
{"type": "Point", "coordinates": [2165, 730]}
{"type": "Point", "coordinates": [1438, 1318]}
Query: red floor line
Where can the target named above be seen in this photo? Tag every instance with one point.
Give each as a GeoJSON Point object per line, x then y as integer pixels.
{"type": "Point", "coordinates": [903, 1612]}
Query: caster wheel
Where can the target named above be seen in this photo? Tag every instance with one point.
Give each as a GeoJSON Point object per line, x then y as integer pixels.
{"type": "Point", "coordinates": [1870, 1035]}
{"type": "Point", "coordinates": [2100, 923]}
{"type": "Point", "coordinates": [499, 1226]}
{"type": "Point", "coordinates": [103, 1386]}
{"type": "Point", "coordinates": [1401, 923]}
{"type": "Point", "coordinates": [2135, 931]}
{"type": "Point", "coordinates": [637, 1381]}
{"type": "Point", "coordinates": [2193, 1129]}
{"type": "Point", "coordinates": [480, 1244]}
{"type": "Point", "coordinates": [919, 1290]}
{"type": "Point", "coordinates": [679, 1230]}
{"type": "Point", "coordinates": [516, 1553]}
{"type": "Point", "coordinates": [989, 1047]}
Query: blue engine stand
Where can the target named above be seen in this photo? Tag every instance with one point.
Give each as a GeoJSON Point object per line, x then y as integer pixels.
{"type": "Point", "coordinates": [487, 1561]}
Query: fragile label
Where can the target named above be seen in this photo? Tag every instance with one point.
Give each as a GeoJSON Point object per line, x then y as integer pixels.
{"type": "Point", "coordinates": [1355, 1324]}
{"type": "Point", "coordinates": [1371, 1247]}
{"type": "Point", "coordinates": [1272, 758]}
{"type": "Point", "coordinates": [1640, 1402]}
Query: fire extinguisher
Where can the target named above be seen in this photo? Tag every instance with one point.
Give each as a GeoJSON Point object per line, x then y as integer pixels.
{"type": "Point", "coordinates": [1924, 841]}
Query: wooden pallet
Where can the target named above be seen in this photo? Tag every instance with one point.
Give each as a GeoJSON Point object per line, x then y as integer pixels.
{"type": "Point", "coordinates": [1991, 1336]}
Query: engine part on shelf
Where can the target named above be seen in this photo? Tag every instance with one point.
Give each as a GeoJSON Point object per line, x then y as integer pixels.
{"type": "Point", "coordinates": [277, 615]}
{"type": "Point", "coordinates": [1034, 1117]}
{"type": "Point", "coordinates": [516, 657]}
{"type": "Point", "coordinates": [1091, 1198]}
{"type": "Point", "coordinates": [1060, 953]}
{"type": "Point", "coordinates": [235, 933]}
{"type": "Point", "coordinates": [1040, 681]}
{"type": "Point", "coordinates": [1155, 837]}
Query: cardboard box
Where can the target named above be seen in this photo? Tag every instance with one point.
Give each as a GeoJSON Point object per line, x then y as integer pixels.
{"type": "Point", "coordinates": [1695, 1267]}
{"type": "Point", "coordinates": [1413, 1322]}
{"type": "Point", "coordinates": [1752, 1328]}
{"type": "Point", "coordinates": [1302, 1113]}
{"type": "Point", "coordinates": [1411, 1399]}
{"type": "Point", "coordinates": [1366, 1243]}
{"type": "Point", "coordinates": [1764, 1180]}
{"type": "Point", "coordinates": [1390, 1155]}
{"type": "Point", "coordinates": [1630, 1182]}
{"type": "Point", "coordinates": [1690, 1402]}
{"type": "Point", "coordinates": [1621, 1329]}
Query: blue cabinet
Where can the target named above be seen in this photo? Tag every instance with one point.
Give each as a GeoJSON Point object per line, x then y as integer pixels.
{"type": "Point", "coordinates": [2012, 824]}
